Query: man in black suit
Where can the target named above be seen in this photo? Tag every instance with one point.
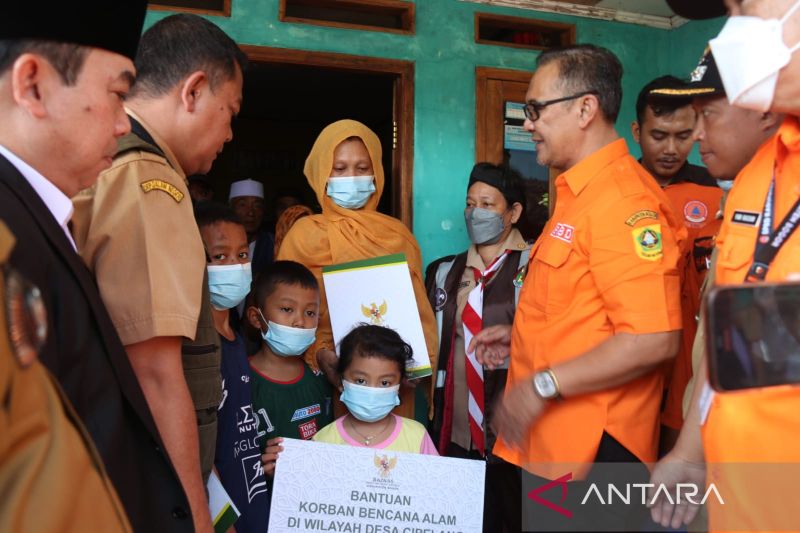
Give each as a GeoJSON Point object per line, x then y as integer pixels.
{"type": "Point", "coordinates": [64, 71]}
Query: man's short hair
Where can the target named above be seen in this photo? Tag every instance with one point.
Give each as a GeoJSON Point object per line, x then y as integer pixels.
{"type": "Point", "coordinates": [586, 67]}
{"type": "Point", "coordinates": [178, 45]}
{"type": "Point", "coordinates": [660, 105]}
{"type": "Point", "coordinates": [66, 58]}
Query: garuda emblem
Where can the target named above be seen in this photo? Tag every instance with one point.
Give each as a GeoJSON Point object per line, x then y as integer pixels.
{"type": "Point", "coordinates": [375, 313]}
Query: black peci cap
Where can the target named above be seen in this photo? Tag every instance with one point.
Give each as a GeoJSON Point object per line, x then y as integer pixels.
{"type": "Point", "coordinates": [705, 81]}
{"type": "Point", "coordinates": [698, 9]}
{"type": "Point", "coordinates": [503, 178]}
{"type": "Point", "coordinates": [113, 25]}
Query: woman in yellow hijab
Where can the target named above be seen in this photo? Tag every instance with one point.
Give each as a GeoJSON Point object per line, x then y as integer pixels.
{"type": "Point", "coordinates": [344, 169]}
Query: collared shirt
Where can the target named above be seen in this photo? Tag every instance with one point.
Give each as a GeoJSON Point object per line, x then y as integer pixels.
{"type": "Point", "coordinates": [58, 203]}
{"type": "Point", "coordinates": [461, 434]}
{"type": "Point", "coordinates": [756, 425]}
{"type": "Point", "coordinates": [694, 197]}
{"type": "Point", "coordinates": [135, 230]}
{"type": "Point", "coordinates": [606, 263]}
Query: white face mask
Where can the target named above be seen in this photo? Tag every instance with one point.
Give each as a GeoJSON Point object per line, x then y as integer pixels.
{"type": "Point", "coordinates": [750, 52]}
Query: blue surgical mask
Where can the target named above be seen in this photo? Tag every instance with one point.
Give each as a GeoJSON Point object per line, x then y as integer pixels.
{"type": "Point", "coordinates": [287, 341]}
{"type": "Point", "coordinates": [228, 284]}
{"type": "Point", "coordinates": [725, 185]}
{"type": "Point", "coordinates": [369, 404]}
{"type": "Point", "coordinates": [351, 192]}
{"type": "Point", "coordinates": [483, 226]}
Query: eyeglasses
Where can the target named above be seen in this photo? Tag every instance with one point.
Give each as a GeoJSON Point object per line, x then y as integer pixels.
{"type": "Point", "coordinates": [533, 109]}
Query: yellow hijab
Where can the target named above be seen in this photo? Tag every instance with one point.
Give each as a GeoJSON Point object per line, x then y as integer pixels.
{"type": "Point", "coordinates": [339, 235]}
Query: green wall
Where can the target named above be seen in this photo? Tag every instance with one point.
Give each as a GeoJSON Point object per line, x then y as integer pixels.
{"type": "Point", "coordinates": [445, 55]}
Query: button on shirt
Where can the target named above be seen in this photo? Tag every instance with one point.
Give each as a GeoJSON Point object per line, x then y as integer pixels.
{"type": "Point", "coordinates": [58, 203]}
{"type": "Point", "coordinates": [606, 263]}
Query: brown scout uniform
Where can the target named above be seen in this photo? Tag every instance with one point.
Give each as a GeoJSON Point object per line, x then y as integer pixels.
{"type": "Point", "coordinates": [51, 477]}
{"type": "Point", "coordinates": [135, 229]}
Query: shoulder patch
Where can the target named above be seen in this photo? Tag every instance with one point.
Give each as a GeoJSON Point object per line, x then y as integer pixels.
{"type": "Point", "coordinates": [160, 185]}
{"type": "Point", "coordinates": [641, 215]}
{"type": "Point", "coordinates": [647, 242]}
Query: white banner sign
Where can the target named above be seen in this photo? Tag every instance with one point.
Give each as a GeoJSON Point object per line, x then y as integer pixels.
{"type": "Point", "coordinates": [331, 487]}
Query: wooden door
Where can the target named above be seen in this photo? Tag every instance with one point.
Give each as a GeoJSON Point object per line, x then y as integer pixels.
{"type": "Point", "coordinates": [499, 95]}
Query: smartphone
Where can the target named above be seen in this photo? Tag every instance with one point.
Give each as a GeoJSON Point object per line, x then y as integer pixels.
{"type": "Point", "coordinates": [753, 336]}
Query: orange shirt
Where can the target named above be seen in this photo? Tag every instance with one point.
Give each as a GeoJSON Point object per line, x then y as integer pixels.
{"type": "Point", "coordinates": [606, 263]}
{"type": "Point", "coordinates": [757, 425]}
{"type": "Point", "coordinates": [697, 204]}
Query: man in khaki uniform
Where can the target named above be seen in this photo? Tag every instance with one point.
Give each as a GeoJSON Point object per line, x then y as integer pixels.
{"type": "Point", "coordinates": [135, 230]}
{"type": "Point", "coordinates": [45, 451]}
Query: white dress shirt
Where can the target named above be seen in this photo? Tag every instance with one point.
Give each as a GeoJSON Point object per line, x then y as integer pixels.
{"type": "Point", "coordinates": [57, 202]}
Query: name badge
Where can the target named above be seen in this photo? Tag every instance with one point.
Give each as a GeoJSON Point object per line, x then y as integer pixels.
{"type": "Point", "coordinates": [745, 218]}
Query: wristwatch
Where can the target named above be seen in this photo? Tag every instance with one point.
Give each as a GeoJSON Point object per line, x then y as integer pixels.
{"type": "Point", "coordinates": [545, 385]}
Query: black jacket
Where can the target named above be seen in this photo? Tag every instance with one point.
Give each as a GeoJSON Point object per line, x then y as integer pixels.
{"type": "Point", "coordinates": [86, 356]}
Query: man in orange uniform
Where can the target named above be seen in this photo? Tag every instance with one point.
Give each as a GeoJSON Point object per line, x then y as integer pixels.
{"type": "Point", "coordinates": [599, 313]}
{"type": "Point", "coordinates": [663, 128]}
{"type": "Point", "coordinates": [740, 431]}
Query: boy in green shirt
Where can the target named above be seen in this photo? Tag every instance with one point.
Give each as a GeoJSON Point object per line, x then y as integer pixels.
{"type": "Point", "coordinates": [289, 398]}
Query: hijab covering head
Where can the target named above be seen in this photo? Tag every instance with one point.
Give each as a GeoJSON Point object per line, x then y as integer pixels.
{"type": "Point", "coordinates": [340, 235]}
{"type": "Point", "coordinates": [320, 162]}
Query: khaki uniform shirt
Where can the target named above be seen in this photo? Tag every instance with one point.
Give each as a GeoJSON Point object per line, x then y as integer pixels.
{"type": "Point", "coordinates": [461, 434]}
{"type": "Point", "coordinates": [135, 229]}
{"type": "Point", "coordinates": [51, 477]}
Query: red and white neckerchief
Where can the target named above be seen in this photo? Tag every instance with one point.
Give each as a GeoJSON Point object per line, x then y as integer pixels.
{"type": "Point", "coordinates": [472, 317]}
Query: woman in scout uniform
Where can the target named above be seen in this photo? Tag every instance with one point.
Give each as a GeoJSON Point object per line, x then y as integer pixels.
{"type": "Point", "coordinates": [489, 275]}
{"type": "Point", "coordinates": [351, 229]}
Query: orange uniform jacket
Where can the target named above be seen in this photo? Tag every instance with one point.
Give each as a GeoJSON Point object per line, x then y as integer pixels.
{"type": "Point", "coordinates": [606, 263]}
{"type": "Point", "coordinates": [695, 198]}
{"type": "Point", "coordinates": [757, 425]}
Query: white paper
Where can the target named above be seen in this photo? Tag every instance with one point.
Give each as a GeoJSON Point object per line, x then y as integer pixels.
{"type": "Point", "coordinates": [382, 295]}
{"type": "Point", "coordinates": [332, 487]}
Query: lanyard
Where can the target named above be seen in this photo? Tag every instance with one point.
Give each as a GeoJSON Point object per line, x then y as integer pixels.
{"type": "Point", "coordinates": [770, 242]}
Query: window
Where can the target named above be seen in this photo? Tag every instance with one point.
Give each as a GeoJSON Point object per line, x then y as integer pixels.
{"type": "Point", "coordinates": [522, 32]}
{"type": "Point", "coordinates": [202, 7]}
{"type": "Point", "coordinates": [395, 16]}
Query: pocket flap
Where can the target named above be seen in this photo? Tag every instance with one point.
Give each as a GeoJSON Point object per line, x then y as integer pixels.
{"type": "Point", "coordinates": [554, 253]}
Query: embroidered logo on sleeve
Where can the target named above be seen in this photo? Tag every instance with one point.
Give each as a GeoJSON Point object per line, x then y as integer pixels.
{"type": "Point", "coordinates": [641, 215]}
{"type": "Point", "coordinates": [647, 242]}
{"type": "Point", "coordinates": [160, 185]}
{"type": "Point", "coordinates": [563, 232]}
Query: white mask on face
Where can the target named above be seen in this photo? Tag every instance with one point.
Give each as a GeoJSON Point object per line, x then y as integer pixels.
{"type": "Point", "coordinates": [750, 52]}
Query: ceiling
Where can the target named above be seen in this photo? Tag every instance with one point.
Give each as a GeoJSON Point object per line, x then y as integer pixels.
{"type": "Point", "coordinates": [645, 7]}
{"type": "Point", "coordinates": [654, 13]}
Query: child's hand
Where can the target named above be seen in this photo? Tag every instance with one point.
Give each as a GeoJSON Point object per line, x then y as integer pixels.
{"type": "Point", "coordinates": [271, 455]}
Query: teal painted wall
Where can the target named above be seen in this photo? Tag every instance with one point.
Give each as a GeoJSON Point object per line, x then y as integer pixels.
{"type": "Point", "coordinates": [445, 55]}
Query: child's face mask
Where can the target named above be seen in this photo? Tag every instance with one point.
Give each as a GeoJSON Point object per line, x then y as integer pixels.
{"type": "Point", "coordinates": [370, 404]}
{"type": "Point", "coordinates": [228, 284]}
{"type": "Point", "coordinates": [287, 341]}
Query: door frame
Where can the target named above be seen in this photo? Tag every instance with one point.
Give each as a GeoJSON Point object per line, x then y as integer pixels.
{"type": "Point", "coordinates": [403, 112]}
{"type": "Point", "coordinates": [482, 75]}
